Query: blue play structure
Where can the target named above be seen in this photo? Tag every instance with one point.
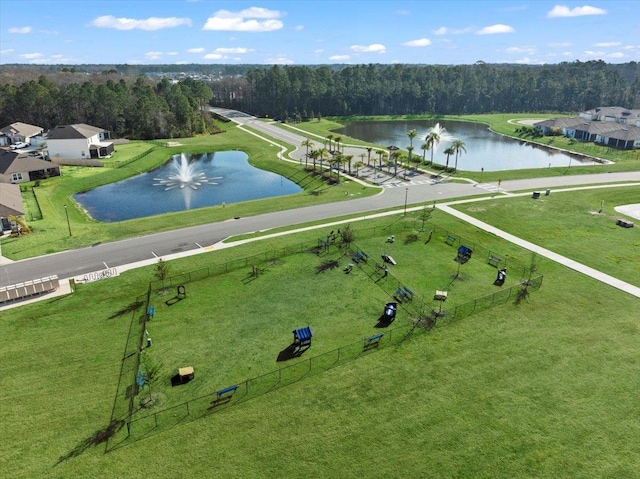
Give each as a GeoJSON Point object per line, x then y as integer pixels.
{"type": "Point", "coordinates": [464, 254]}
{"type": "Point", "coordinates": [390, 310]}
{"type": "Point", "coordinates": [302, 339]}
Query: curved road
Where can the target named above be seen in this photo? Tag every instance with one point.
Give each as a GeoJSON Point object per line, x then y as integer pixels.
{"type": "Point", "coordinates": [98, 257]}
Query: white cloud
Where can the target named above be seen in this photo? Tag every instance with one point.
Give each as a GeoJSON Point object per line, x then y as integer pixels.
{"type": "Point", "coordinates": [617, 55]}
{"type": "Point", "coordinates": [319, 50]}
{"type": "Point", "coordinates": [153, 55]}
{"type": "Point", "coordinates": [421, 42]}
{"type": "Point", "coordinates": [245, 20]}
{"type": "Point", "coordinates": [31, 56]}
{"type": "Point", "coordinates": [497, 28]}
{"type": "Point", "coordinates": [49, 32]}
{"type": "Point", "coordinates": [373, 48]}
{"type": "Point", "coordinates": [452, 31]}
{"type": "Point", "coordinates": [151, 23]}
{"type": "Point", "coordinates": [195, 50]}
{"type": "Point", "coordinates": [279, 61]}
{"type": "Point", "coordinates": [524, 49]}
{"type": "Point", "coordinates": [4, 52]}
{"type": "Point", "coordinates": [560, 11]}
{"type": "Point", "coordinates": [299, 28]}
{"type": "Point", "coordinates": [20, 30]}
{"type": "Point", "coordinates": [339, 58]}
{"type": "Point", "coordinates": [172, 54]}
{"type": "Point", "coordinates": [238, 50]}
{"type": "Point", "coordinates": [213, 56]}
{"type": "Point", "coordinates": [606, 44]}
{"type": "Point", "coordinates": [559, 45]}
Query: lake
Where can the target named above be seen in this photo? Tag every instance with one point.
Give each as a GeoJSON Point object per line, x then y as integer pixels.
{"type": "Point", "coordinates": [485, 149]}
{"type": "Point", "coordinates": [230, 176]}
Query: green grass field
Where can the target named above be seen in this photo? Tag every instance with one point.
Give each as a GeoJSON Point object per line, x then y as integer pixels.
{"type": "Point", "coordinates": [543, 389]}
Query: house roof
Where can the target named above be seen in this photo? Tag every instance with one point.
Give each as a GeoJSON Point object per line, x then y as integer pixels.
{"type": "Point", "coordinates": [23, 129]}
{"type": "Point", "coordinates": [10, 200]}
{"type": "Point", "coordinates": [12, 162]}
{"type": "Point", "coordinates": [73, 132]}
{"type": "Point", "coordinates": [617, 112]}
{"type": "Point", "coordinates": [631, 133]}
{"type": "Point", "coordinates": [599, 127]}
{"type": "Point", "coordinates": [562, 122]}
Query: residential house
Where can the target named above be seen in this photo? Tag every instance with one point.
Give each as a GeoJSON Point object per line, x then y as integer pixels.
{"type": "Point", "coordinates": [613, 126]}
{"type": "Point", "coordinates": [10, 204]}
{"type": "Point", "coordinates": [21, 132]}
{"type": "Point", "coordinates": [78, 142]}
{"type": "Point", "coordinates": [17, 168]}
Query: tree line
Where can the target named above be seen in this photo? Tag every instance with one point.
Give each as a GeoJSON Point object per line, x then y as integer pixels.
{"type": "Point", "coordinates": [140, 109]}
{"type": "Point", "coordinates": [307, 92]}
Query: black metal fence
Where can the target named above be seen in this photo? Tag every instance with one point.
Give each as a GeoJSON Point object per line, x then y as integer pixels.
{"type": "Point", "coordinates": [422, 316]}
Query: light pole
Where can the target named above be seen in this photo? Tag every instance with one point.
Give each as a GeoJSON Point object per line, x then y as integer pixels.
{"type": "Point", "coordinates": [66, 212]}
{"type": "Point", "coordinates": [406, 194]}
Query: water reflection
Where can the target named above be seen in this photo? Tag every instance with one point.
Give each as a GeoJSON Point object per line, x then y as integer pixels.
{"type": "Point", "coordinates": [485, 149]}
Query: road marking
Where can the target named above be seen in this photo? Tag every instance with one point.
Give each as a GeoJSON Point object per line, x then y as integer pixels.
{"type": "Point", "coordinates": [198, 245]}
{"type": "Point", "coordinates": [155, 255]}
{"type": "Point", "coordinates": [105, 265]}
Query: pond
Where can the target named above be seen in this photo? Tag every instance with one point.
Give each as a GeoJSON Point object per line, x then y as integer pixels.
{"type": "Point", "coordinates": [485, 149]}
{"type": "Point", "coordinates": [185, 182]}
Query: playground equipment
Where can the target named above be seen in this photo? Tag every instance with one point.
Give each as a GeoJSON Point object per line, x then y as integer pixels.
{"type": "Point", "coordinates": [301, 340]}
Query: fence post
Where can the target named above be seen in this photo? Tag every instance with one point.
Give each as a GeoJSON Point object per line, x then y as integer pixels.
{"type": "Point", "coordinates": [187, 403]}
{"type": "Point", "coordinates": [155, 416]}
{"type": "Point", "coordinates": [310, 364]}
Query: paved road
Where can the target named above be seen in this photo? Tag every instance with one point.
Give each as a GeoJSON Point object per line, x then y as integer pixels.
{"type": "Point", "coordinates": [101, 256]}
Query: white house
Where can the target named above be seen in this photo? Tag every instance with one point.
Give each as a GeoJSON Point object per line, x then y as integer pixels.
{"type": "Point", "coordinates": [78, 142]}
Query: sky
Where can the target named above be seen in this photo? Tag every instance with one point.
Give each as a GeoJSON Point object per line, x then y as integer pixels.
{"type": "Point", "coordinates": [312, 32]}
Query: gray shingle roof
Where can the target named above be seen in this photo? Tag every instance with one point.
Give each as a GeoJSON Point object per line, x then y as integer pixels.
{"type": "Point", "coordinates": [23, 129]}
{"type": "Point", "coordinates": [73, 132]}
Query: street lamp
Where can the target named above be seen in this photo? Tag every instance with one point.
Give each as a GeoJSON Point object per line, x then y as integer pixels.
{"type": "Point", "coordinates": [406, 194]}
{"type": "Point", "coordinates": [66, 212]}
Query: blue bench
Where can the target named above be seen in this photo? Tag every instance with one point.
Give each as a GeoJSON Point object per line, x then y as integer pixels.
{"type": "Point", "coordinates": [224, 395]}
{"type": "Point", "coordinates": [151, 310]}
{"type": "Point", "coordinates": [360, 256]}
{"type": "Point", "coordinates": [403, 293]}
{"type": "Point", "coordinates": [372, 341]}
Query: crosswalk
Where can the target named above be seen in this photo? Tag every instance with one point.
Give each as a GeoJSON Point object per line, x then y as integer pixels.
{"type": "Point", "coordinates": [490, 187]}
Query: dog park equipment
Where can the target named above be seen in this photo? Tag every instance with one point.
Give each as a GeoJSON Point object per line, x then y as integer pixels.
{"type": "Point", "coordinates": [502, 275]}
{"type": "Point", "coordinates": [185, 374]}
{"type": "Point", "coordinates": [624, 223]}
{"type": "Point", "coordinates": [464, 254]}
{"type": "Point", "coordinates": [302, 339]}
{"type": "Point", "coordinates": [440, 295]}
{"type": "Point", "coordinates": [223, 396]}
{"type": "Point", "coordinates": [390, 310]}
{"type": "Point", "coordinates": [372, 341]}
{"type": "Point", "coordinates": [388, 259]}
{"type": "Point", "coordinates": [403, 293]}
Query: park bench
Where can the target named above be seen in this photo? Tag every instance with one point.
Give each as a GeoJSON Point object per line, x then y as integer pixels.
{"type": "Point", "coordinates": [450, 240]}
{"type": "Point", "coordinates": [403, 293]}
{"type": "Point", "coordinates": [372, 341]}
{"type": "Point", "coordinates": [388, 259]}
{"type": "Point", "coordinates": [360, 256]}
{"type": "Point", "coordinates": [224, 395]}
{"type": "Point", "coordinates": [151, 311]}
{"type": "Point", "coordinates": [494, 260]}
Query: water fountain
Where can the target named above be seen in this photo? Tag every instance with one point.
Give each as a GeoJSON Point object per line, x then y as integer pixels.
{"type": "Point", "coordinates": [442, 136]}
{"type": "Point", "coordinates": [186, 175]}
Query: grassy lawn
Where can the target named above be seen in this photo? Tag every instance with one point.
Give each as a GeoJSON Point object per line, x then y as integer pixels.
{"type": "Point", "coordinates": [543, 389]}
{"type": "Point", "coordinates": [51, 234]}
{"type": "Point", "coordinates": [570, 224]}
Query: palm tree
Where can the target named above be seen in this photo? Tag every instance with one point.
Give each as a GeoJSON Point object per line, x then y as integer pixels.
{"type": "Point", "coordinates": [330, 138]}
{"type": "Point", "coordinates": [424, 147]}
{"type": "Point", "coordinates": [458, 146]}
{"type": "Point", "coordinates": [449, 151]}
{"type": "Point", "coordinates": [338, 139]}
{"type": "Point", "coordinates": [432, 139]}
{"type": "Point", "coordinates": [369, 150]}
{"type": "Point", "coordinates": [383, 156]}
{"type": "Point", "coordinates": [309, 144]}
{"type": "Point", "coordinates": [358, 164]}
{"type": "Point", "coordinates": [314, 155]}
{"type": "Point", "coordinates": [410, 150]}
{"type": "Point", "coordinates": [362, 155]}
{"type": "Point", "coordinates": [348, 159]}
{"type": "Point", "coordinates": [412, 134]}
{"type": "Point", "coordinates": [323, 154]}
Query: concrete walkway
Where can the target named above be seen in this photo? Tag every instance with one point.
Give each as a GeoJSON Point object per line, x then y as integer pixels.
{"type": "Point", "coordinates": [569, 263]}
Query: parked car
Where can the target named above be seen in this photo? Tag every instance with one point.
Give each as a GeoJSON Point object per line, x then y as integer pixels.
{"type": "Point", "coordinates": [20, 144]}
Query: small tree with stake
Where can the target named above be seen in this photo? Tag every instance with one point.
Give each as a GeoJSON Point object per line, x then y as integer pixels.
{"type": "Point", "coordinates": [347, 236]}
{"type": "Point", "coordinates": [523, 293]}
{"type": "Point", "coordinates": [162, 270]}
